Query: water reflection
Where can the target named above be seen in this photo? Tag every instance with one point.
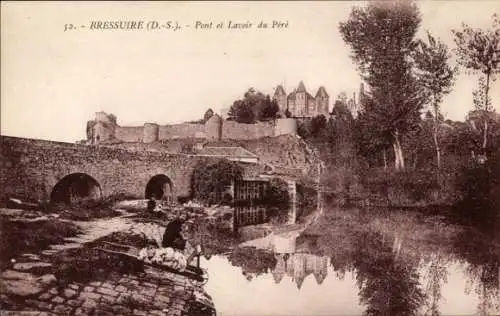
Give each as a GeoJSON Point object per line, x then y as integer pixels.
{"type": "Point", "coordinates": [245, 216]}
{"type": "Point", "coordinates": [254, 215]}
{"type": "Point", "coordinates": [388, 285]}
{"type": "Point", "coordinates": [389, 265]}
{"type": "Point", "coordinates": [299, 266]}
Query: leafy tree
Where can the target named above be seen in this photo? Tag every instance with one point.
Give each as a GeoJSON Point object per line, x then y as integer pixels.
{"type": "Point", "coordinates": [342, 98]}
{"type": "Point", "coordinates": [255, 106]}
{"type": "Point", "coordinates": [270, 109]}
{"type": "Point", "coordinates": [339, 133]}
{"type": "Point", "coordinates": [112, 118]}
{"type": "Point", "coordinates": [208, 114]}
{"type": "Point", "coordinates": [318, 124]}
{"type": "Point", "coordinates": [304, 130]}
{"type": "Point", "coordinates": [436, 77]}
{"type": "Point", "coordinates": [209, 181]}
{"type": "Point", "coordinates": [478, 52]}
{"type": "Point", "coordinates": [276, 194]}
{"type": "Point", "coordinates": [483, 113]}
{"type": "Point", "coordinates": [341, 110]}
{"type": "Point", "coordinates": [370, 139]}
{"type": "Point", "coordinates": [241, 112]}
{"type": "Point", "coordinates": [252, 260]}
{"type": "Point", "coordinates": [313, 128]}
{"type": "Point", "coordinates": [381, 37]}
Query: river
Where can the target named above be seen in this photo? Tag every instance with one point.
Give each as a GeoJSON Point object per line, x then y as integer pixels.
{"type": "Point", "coordinates": [355, 261]}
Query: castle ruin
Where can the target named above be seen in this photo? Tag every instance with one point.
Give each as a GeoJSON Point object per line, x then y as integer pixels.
{"type": "Point", "coordinates": [105, 129]}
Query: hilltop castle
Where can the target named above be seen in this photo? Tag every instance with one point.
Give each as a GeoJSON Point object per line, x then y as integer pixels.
{"type": "Point", "coordinates": [301, 103]}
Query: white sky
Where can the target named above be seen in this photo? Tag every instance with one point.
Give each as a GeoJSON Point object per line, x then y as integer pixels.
{"type": "Point", "coordinates": [53, 81]}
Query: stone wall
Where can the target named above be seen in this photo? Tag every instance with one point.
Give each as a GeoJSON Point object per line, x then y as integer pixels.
{"type": "Point", "coordinates": [29, 168]}
{"type": "Point", "coordinates": [185, 130]}
{"type": "Point", "coordinates": [234, 130]}
{"type": "Point", "coordinates": [129, 133]}
{"type": "Point", "coordinates": [215, 128]}
{"type": "Point", "coordinates": [286, 126]}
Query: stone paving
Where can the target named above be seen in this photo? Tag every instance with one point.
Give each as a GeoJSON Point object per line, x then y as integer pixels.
{"type": "Point", "coordinates": [150, 293]}
{"type": "Point", "coordinates": [153, 292]}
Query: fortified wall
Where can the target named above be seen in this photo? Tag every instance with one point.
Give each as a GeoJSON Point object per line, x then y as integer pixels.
{"type": "Point", "coordinates": [104, 128]}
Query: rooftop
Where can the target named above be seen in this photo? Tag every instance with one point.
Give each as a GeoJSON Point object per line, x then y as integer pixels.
{"type": "Point", "coordinates": [238, 152]}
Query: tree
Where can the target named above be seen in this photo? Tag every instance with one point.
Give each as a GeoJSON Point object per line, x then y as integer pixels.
{"type": "Point", "coordinates": [483, 112]}
{"type": "Point", "coordinates": [437, 77]}
{"type": "Point", "coordinates": [270, 109]}
{"type": "Point", "coordinates": [209, 181]}
{"type": "Point", "coordinates": [276, 194]}
{"type": "Point", "coordinates": [208, 114]}
{"type": "Point", "coordinates": [381, 37]}
{"type": "Point", "coordinates": [478, 51]}
{"type": "Point", "coordinates": [342, 98]}
{"type": "Point", "coordinates": [255, 106]}
{"type": "Point", "coordinates": [318, 124]}
{"type": "Point", "coordinates": [241, 112]}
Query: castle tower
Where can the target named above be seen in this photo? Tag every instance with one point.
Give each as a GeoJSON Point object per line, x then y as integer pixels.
{"type": "Point", "coordinates": [322, 101]}
{"type": "Point", "coordinates": [213, 127]}
{"type": "Point", "coordinates": [301, 103]}
{"type": "Point", "coordinates": [280, 97]}
{"type": "Point", "coordinates": [102, 128]}
{"type": "Point", "coordinates": [292, 106]}
{"type": "Point", "coordinates": [320, 269]}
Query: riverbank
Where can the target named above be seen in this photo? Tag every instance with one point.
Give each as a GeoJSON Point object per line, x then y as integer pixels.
{"type": "Point", "coordinates": [62, 272]}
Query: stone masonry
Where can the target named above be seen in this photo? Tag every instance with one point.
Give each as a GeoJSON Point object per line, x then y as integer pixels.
{"type": "Point", "coordinates": [151, 293]}
{"type": "Point", "coordinates": [31, 168]}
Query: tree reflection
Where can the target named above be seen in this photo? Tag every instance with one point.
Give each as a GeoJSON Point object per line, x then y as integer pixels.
{"type": "Point", "coordinates": [387, 286]}
{"type": "Point", "coordinates": [252, 261]}
{"type": "Point", "coordinates": [481, 251]}
{"type": "Point", "coordinates": [437, 275]}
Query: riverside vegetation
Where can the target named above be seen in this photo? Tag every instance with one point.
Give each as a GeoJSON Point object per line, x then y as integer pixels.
{"type": "Point", "coordinates": [399, 150]}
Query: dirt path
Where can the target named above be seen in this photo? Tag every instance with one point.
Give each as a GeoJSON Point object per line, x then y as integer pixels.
{"type": "Point", "coordinates": [92, 230]}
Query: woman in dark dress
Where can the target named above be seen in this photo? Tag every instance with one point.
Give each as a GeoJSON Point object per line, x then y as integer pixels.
{"type": "Point", "coordinates": [172, 237]}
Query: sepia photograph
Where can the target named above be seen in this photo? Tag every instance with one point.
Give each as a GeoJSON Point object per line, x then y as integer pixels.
{"type": "Point", "coordinates": [244, 158]}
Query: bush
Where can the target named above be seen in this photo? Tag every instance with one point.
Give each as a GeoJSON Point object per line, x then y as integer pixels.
{"type": "Point", "coordinates": [276, 194]}
{"type": "Point", "coordinates": [307, 195]}
{"type": "Point", "coordinates": [209, 181]}
{"type": "Point", "coordinates": [413, 186]}
{"type": "Point", "coordinates": [480, 188]}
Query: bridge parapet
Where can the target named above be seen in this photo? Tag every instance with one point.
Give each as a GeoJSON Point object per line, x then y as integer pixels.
{"type": "Point", "coordinates": [31, 168]}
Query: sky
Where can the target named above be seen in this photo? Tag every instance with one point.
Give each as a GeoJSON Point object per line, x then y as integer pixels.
{"type": "Point", "coordinates": [53, 81]}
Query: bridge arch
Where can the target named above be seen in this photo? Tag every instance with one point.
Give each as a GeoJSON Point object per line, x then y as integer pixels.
{"type": "Point", "coordinates": [159, 187]}
{"type": "Point", "coordinates": [76, 187]}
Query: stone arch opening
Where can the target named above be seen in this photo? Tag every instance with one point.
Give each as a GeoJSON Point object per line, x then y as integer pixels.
{"type": "Point", "coordinates": [159, 187]}
{"type": "Point", "coordinates": [76, 187]}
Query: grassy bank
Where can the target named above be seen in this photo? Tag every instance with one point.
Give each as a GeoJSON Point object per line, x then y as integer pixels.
{"type": "Point", "coordinates": [18, 237]}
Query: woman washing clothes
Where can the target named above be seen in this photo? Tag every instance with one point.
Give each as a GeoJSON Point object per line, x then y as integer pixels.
{"type": "Point", "coordinates": [175, 252]}
{"type": "Point", "coordinates": [174, 238]}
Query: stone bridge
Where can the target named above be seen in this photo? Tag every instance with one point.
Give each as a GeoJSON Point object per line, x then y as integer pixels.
{"type": "Point", "coordinates": [43, 171]}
